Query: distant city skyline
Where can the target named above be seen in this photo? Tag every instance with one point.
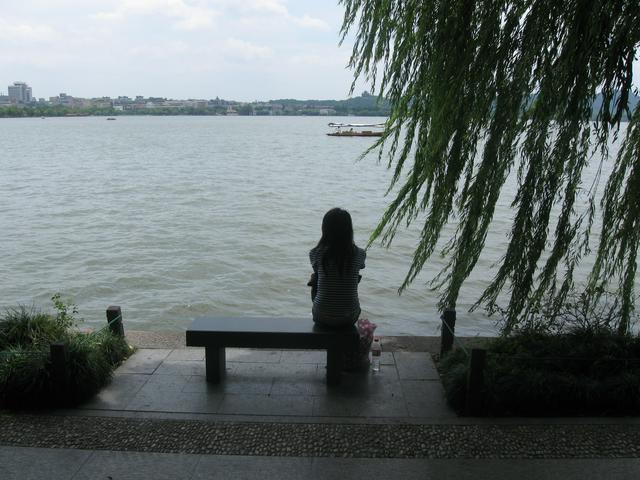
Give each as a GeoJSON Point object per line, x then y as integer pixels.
{"type": "Point", "coordinates": [248, 50]}
{"type": "Point", "coordinates": [22, 91]}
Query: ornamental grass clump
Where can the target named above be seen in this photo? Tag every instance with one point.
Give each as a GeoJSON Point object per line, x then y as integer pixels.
{"type": "Point", "coordinates": [26, 371]}
{"type": "Point", "coordinates": [27, 327]}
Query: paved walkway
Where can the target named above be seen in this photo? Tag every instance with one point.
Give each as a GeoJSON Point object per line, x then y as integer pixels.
{"type": "Point", "coordinates": [274, 417]}
{"type": "Point", "coordinates": [18, 463]}
{"type": "Point", "coordinates": [287, 383]}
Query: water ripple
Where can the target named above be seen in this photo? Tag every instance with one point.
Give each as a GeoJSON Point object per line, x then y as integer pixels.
{"type": "Point", "coordinates": [177, 217]}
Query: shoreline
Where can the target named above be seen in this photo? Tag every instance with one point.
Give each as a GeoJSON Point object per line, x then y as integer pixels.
{"type": "Point", "coordinates": [405, 343]}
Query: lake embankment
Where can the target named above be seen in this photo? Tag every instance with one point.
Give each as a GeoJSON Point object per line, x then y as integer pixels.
{"type": "Point", "coordinates": [408, 343]}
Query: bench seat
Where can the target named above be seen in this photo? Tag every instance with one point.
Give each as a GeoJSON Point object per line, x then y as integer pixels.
{"type": "Point", "coordinates": [217, 333]}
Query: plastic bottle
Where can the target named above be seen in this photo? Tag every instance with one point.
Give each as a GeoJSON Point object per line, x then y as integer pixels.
{"type": "Point", "coordinates": [376, 352]}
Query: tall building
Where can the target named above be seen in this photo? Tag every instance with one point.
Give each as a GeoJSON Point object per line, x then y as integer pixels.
{"type": "Point", "coordinates": [20, 92]}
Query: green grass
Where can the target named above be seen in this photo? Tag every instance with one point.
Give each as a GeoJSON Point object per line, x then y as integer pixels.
{"type": "Point", "coordinates": [26, 374]}
{"type": "Point", "coordinates": [583, 372]}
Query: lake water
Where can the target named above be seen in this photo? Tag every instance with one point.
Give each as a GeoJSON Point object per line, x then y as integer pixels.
{"type": "Point", "coordinates": [177, 217]}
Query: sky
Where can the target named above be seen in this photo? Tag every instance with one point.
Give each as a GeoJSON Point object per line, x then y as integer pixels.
{"type": "Point", "coordinates": [242, 50]}
{"type": "Point", "coordinates": [233, 49]}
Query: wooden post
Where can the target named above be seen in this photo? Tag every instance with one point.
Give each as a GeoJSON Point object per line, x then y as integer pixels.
{"type": "Point", "coordinates": [475, 382]}
{"type": "Point", "coordinates": [114, 313]}
{"type": "Point", "coordinates": [448, 330]}
{"type": "Point", "coordinates": [58, 352]}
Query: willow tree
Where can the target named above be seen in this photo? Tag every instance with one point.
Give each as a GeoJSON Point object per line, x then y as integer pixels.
{"type": "Point", "coordinates": [483, 88]}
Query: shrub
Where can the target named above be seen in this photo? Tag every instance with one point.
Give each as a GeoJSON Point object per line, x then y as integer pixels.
{"type": "Point", "coordinates": [88, 367]}
{"type": "Point", "coordinates": [26, 373]}
{"type": "Point", "coordinates": [27, 327]}
{"type": "Point", "coordinates": [582, 372]}
{"type": "Point", "coordinates": [25, 376]}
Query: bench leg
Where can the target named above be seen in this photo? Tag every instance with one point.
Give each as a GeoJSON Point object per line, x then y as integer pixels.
{"type": "Point", "coordinates": [335, 362]}
{"type": "Point", "coordinates": [215, 364]}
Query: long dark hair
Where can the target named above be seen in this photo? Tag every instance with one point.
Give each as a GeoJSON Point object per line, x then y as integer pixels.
{"type": "Point", "coordinates": [337, 239]}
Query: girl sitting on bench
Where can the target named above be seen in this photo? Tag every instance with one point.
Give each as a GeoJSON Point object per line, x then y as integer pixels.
{"type": "Point", "coordinates": [336, 263]}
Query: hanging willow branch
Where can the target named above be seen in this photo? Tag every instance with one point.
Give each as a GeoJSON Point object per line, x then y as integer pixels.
{"type": "Point", "coordinates": [481, 88]}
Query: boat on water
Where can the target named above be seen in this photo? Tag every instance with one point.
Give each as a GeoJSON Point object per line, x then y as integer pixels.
{"type": "Point", "coordinates": [110, 118]}
{"type": "Point", "coordinates": [356, 130]}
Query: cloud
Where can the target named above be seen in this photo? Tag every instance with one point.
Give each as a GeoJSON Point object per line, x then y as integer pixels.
{"type": "Point", "coordinates": [107, 15]}
{"type": "Point", "coordinates": [310, 22]}
{"type": "Point", "coordinates": [320, 59]}
{"type": "Point", "coordinates": [265, 6]}
{"type": "Point", "coordinates": [201, 14]}
{"type": "Point", "coordinates": [235, 49]}
{"type": "Point", "coordinates": [188, 16]}
{"type": "Point", "coordinates": [255, 11]}
{"type": "Point", "coordinates": [160, 52]}
{"type": "Point", "coordinates": [11, 31]}
{"type": "Point", "coordinates": [195, 22]}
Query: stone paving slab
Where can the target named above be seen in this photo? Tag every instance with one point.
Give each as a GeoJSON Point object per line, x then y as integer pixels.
{"type": "Point", "coordinates": [426, 398]}
{"type": "Point", "coordinates": [304, 356]}
{"type": "Point", "coordinates": [305, 380]}
{"type": "Point", "coordinates": [193, 354]}
{"type": "Point", "coordinates": [176, 401]}
{"type": "Point", "coordinates": [144, 361]}
{"type": "Point", "coordinates": [415, 366]}
{"type": "Point", "coordinates": [122, 389]}
{"type": "Point", "coordinates": [236, 383]}
{"type": "Point", "coordinates": [386, 358]}
{"type": "Point", "coordinates": [274, 383]}
{"type": "Point", "coordinates": [24, 463]}
{"type": "Point", "coordinates": [247, 468]}
{"type": "Point", "coordinates": [40, 463]}
{"type": "Point", "coordinates": [178, 367]}
{"type": "Point", "coordinates": [157, 384]}
{"type": "Point", "coordinates": [259, 371]}
{"type": "Point", "coordinates": [340, 469]}
{"type": "Point", "coordinates": [137, 466]}
{"type": "Point", "coordinates": [246, 355]}
{"type": "Point", "coordinates": [292, 405]}
{"type": "Point", "coordinates": [367, 384]}
{"type": "Point", "coordinates": [343, 405]}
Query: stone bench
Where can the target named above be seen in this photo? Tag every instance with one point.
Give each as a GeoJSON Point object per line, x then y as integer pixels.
{"type": "Point", "coordinates": [217, 333]}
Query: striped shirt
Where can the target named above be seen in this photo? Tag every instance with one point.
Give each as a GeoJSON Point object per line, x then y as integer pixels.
{"type": "Point", "coordinates": [337, 297]}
